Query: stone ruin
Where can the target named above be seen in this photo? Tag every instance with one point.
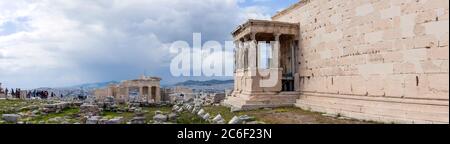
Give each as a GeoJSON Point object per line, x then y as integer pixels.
{"type": "Point", "coordinates": [372, 60]}
{"type": "Point", "coordinates": [148, 90]}
{"type": "Point", "coordinates": [196, 109]}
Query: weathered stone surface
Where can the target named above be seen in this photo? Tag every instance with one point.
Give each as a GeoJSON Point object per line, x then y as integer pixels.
{"type": "Point", "coordinates": [56, 120]}
{"type": "Point", "coordinates": [147, 85]}
{"type": "Point", "coordinates": [77, 104]}
{"type": "Point", "coordinates": [234, 120]}
{"type": "Point", "coordinates": [195, 110]}
{"type": "Point", "coordinates": [11, 118]}
{"type": "Point", "coordinates": [116, 120]}
{"type": "Point", "coordinates": [255, 122]}
{"type": "Point", "coordinates": [55, 108]}
{"type": "Point", "coordinates": [108, 106]}
{"type": "Point", "coordinates": [35, 112]}
{"type": "Point", "coordinates": [246, 118]}
{"type": "Point", "coordinates": [189, 108]}
{"type": "Point", "coordinates": [138, 109]}
{"type": "Point", "coordinates": [172, 116]}
{"type": "Point", "coordinates": [158, 112]}
{"type": "Point", "coordinates": [160, 118]}
{"type": "Point", "coordinates": [241, 119]}
{"type": "Point", "coordinates": [201, 112]}
{"type": "Point", "coordinates": [198, 104]}
{"type": "Point", "coordinates": [109, 99]}
{"type": "Point", "coordinates": [89, 109]}
{"type": "Point", "coordinates": [235, 109]}
{"type": "Point", "coordinates": [175, 107]}
{"type": "Point", "coordinates": [138, 120]}
{"type": "Point", "coordinates": [390, 49]}
{"type": "Point", "coordinates": [93, 120]}
{"type": "Point", "coordinates": [31, 107]}
{"type": "Point", "coordinates": [206, 116]}
{"type": "Point", "coordinates": [139, 114]}
{"type": "Point", "coordinates": [180, 110]}
{"type": "Point", "coordinates": [218, 119]}
{"type": "Point", "coordinates": [102, 121]}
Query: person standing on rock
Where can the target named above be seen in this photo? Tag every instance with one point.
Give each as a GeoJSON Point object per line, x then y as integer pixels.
{"type": "Point", "coordinates": [18, 93]}
{"type": "Point", "coordinates": [1, 89]}
{"type": "Point", "coordinates": [46, 94]}
{"type": "Point", "coordinates": [13, 94]}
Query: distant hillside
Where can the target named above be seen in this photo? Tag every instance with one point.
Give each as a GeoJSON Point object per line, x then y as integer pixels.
{"type": "Point", "coordinates": [94, 85]}
{"type": "Point", "coordinates": [72, 91]}
{"type": "Point", "coordinates": [210, 85]}
{"type": "Point", "coordinates": [204, 83]}
{"type": "Point", "coordinates": [87, 89]}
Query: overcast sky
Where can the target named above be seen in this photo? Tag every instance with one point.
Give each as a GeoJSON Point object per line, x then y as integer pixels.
{"type": "Point", "coordinates": [56, 43]}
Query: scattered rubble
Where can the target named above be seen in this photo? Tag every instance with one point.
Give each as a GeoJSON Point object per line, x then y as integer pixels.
{"type": "Point", "coordinates": [116, 120]}
{"type": "Point", "coordinates": [90, 109]}
{"type": "Point", "coordinates": [218, 119]}
{"type": "Point", "coordinates": [11, 118]}
{"type": "Point", "coordinates": [92, 113]}
{"type": "Point", "coordinates": [55, 108]}
{"type": "Point", "coordinates": [172, 116]}
{"type": "Point", "coordinates": [93, 120]}
{"type": "Point", "coordinates": [138, 120]}
{"type": "Point", "coordinates": [241, 119]}
{"type": "Point", "coordinates": [160, 118]}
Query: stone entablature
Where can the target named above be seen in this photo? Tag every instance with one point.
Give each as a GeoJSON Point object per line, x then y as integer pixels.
{"type": "Point", "coordinates": [263, 26]}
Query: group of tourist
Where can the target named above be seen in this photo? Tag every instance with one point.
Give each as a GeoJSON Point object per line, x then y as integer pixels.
{"type": "Point", "coordinates": [40, 94]}
{"type": "Point", "coordinates": [18, 93]}
{"type": "Point", "coordinates": [14, 93]}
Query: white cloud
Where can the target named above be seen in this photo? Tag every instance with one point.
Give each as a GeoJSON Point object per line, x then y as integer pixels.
{"type": "Point", "coordinates": [75, 41]}
{"type": "Point", "coordinates": [256, 12]}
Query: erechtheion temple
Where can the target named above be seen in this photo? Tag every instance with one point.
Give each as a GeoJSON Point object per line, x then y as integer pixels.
{"type": "Point", "coordinates": [382, 60]}
{"type": "Point", "coordinates": [144, 89]}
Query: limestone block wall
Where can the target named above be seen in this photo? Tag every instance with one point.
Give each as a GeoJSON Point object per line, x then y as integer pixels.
{"type": "Point", "coordinates": [101, 94]}
{"type": "Point", "coordinates": [384, 60]}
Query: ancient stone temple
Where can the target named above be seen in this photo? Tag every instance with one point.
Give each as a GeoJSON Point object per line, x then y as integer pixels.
{"type": "Point", "coordinates": [384, 60]}
{"type": "Point", "coordinates": [144, 89]}
{"type": "Point", "coordinates": [250, 75]}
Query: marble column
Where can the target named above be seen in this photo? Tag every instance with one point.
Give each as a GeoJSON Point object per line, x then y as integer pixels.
{"type": "Point", "coordinates": [240, 55]}
{"type": "Point", "coordinates": [150, 94]}
{"type": "Point", "coordinates": [276, 51]}
{"type": "Point", "coordinates": [158, 94]}
{"type": "Point", "coordinates": [236, 48]}
{"type": "Point", "coordinates": [252, 52]}
{"type": "Point", "coordinates": [140, 93]}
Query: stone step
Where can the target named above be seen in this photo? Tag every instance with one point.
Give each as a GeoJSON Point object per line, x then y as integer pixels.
{"type": "Point", "coordinates": [262, 100]}
{"type": "Point", "coordinates": [401, 100]}
{"type": "Point", "coordinates": [234, 101]}
{"type": "Point", "coordinates": [374, 111]}
{"type": "Point", "coordinates": [362, 101]}
{"type": "Point", "coordinates": [355, 115]}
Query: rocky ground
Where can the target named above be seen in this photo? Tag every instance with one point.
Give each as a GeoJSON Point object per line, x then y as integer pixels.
{"type": "Point", "coordinates": [55, 112]}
